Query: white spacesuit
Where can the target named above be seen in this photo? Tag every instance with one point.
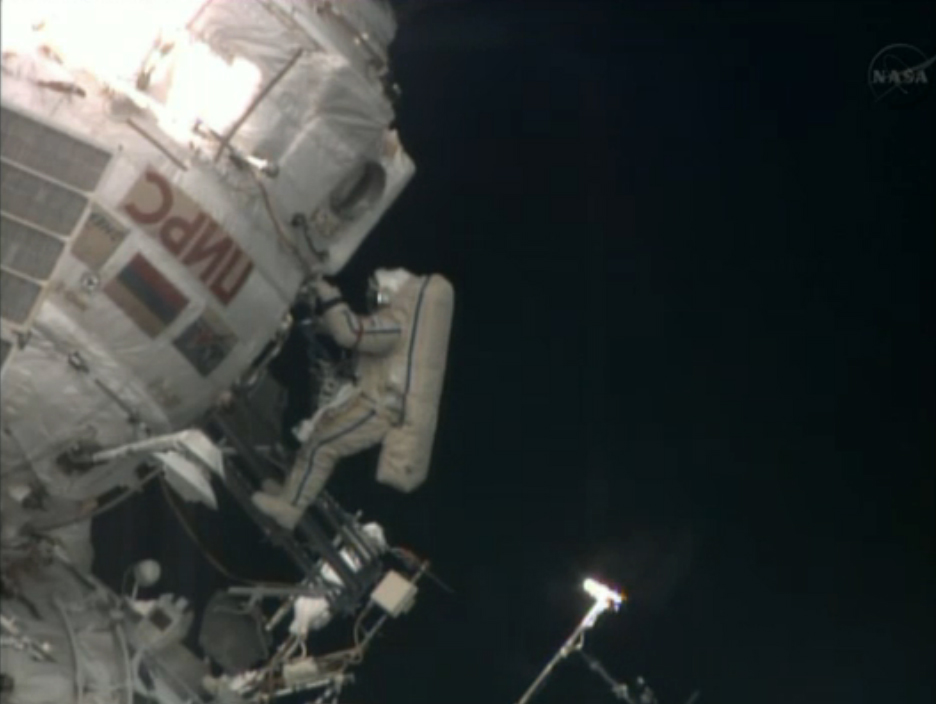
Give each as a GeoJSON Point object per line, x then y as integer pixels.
{"type": "Point", "coordinates": [401, 350]}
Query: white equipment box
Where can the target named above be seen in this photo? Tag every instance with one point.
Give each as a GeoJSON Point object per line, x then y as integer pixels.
{"type": "Point", "coordinates": [394, 594]}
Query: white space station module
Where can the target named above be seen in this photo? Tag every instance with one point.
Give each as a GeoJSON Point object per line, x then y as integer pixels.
{"type": "Point", "coordinates": [174, 174]}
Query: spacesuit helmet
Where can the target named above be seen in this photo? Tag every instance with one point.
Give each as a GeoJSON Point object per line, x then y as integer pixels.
{"type": "Point", "coordinates": [383, 286]}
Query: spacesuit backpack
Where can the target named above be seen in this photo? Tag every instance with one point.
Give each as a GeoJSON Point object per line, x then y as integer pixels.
{"type": "Point", "coordinates": [407, 448]}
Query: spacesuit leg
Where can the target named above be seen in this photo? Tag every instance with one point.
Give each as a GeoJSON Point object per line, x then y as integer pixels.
{"type": "Point", "coordinates": [353, 429]}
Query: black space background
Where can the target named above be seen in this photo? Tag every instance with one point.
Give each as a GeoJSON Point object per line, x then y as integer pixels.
{"type": "Point", "coordinates": [693, 355]}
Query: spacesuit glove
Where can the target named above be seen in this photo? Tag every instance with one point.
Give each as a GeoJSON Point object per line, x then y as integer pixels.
{"type": "Point", "coordinates": [326, 291]}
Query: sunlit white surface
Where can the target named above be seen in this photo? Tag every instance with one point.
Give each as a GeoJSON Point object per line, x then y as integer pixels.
{"type": "Point", "coordinates": [601, 593]}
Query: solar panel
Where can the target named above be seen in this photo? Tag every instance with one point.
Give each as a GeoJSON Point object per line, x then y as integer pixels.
{"type": "Point", "coordinates": [48, 151]}
{"type": "Point", "coordinates": [32, 198]}
{"type": "Point", "coordinates": [17, 296]}
{"type": "Point", "coordinates": [27, 250]}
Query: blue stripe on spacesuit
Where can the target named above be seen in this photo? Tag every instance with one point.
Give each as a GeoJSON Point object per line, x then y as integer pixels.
{"type": "Point", "coordinates": [331, 438]}
{"type": "Point", "coordinates": [354, 325]}
{"type": "Point", "coordinates": [353, 322]}
{"type": "Point", "coordinates": [409, 356]}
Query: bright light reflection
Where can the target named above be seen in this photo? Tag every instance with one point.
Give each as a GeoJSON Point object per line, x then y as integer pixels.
{"type": "Point", "coordinates": [204, 86]}
{"type": "Point", "coordinates": [110, 39]}
{"type": "Point", "coordinates": [601, 593]}
{"type": "Point", "coordinates": [17, 19]}
{"type": "Point", "coordinates": [113, 38]}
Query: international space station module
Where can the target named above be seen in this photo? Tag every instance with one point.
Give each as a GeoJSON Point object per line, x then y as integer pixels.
{"type": "Point", "coordinates": [174, 174]}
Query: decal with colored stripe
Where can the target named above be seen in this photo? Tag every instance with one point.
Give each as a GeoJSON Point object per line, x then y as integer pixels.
{"type": "Point", "coordinates": [206, 342]}
{"type": "Point", "coordinates": [189, 234]}
{"type": "Point", "coordinates": [147, 297]}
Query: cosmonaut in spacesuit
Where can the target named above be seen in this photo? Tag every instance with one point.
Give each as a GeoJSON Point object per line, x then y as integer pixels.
{"type": "Point", "coordinates": [401, 349]}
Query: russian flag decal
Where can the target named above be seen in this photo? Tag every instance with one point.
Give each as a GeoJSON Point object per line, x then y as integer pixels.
{"type": "Point", "coordinates": [146, 296]}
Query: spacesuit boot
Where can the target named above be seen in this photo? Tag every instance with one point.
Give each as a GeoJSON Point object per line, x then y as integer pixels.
{"type": "Point", "coordinates": [286, 504]}
{"type": "Point", "coordinates": [352, 428]}
{"type": "Point", "coordinates": [277, 508]}
{"type": "Point", "coordinates": [271, 486]}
